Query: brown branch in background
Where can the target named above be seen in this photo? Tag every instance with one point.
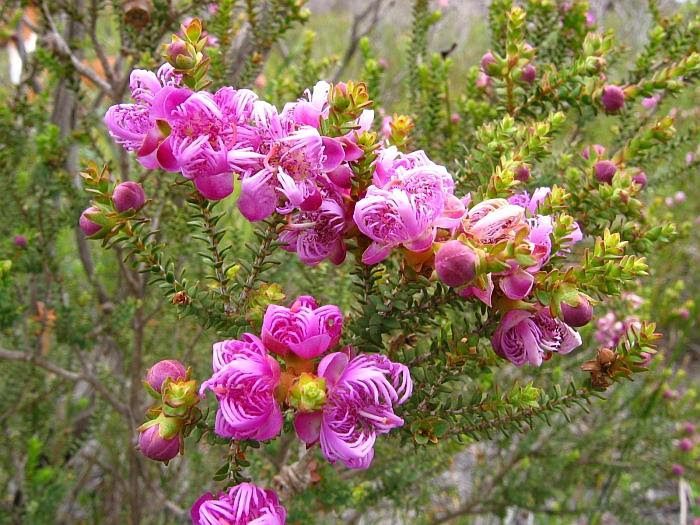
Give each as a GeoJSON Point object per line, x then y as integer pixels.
{"type": "Point", "coordinates": [61, 48]}
{"type": "Point", "coordinates": [296, 477]}
{"type": "Point", "coordinates": [373, 9]}
{"type": "Point", "coordinates": [38, 361]}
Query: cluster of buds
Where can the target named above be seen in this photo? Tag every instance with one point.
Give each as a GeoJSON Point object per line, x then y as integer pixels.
{"type": "Point", "coordinates": [186, 55]}
{"type": "Point", "coordinates": [161, 437]}
{"type": "Point", "coordinates": [110, 209]}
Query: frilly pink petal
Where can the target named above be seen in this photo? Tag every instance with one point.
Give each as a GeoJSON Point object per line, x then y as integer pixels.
{"type": "Point", "coordinates": [332, 366]}
{"type": "Point", "coordinates": [308, 426]}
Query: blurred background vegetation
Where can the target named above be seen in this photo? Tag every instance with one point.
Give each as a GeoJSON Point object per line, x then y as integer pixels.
{"type": "Point", "coordinates": [78, 327]}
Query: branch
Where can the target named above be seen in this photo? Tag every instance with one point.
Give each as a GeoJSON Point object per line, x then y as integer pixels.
{"type": "Point", "coordinates": [40, 362]}
{"type": "Point", "coordinates": [64, 50]}
{"type": "Point", "coordinates": [373, 8]}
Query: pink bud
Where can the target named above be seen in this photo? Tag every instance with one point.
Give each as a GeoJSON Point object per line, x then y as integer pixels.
{"type": "Point", "coordinates": [677, 469]}
{"type": "Point", "coordinates": [155, 447]}
{"type": "Point", "coordinates": [176, 48]}
{"type": "Point", "coordinates": [382, 62]}
{"type": "Point", "coordinates": [579, 315]}
{"type": "Point", "coordinates": [671, 394]}
{"type": "Point", "coordinates": [613, 98]}
{"type": "Point", "coordinates": [679, 197]}
{"type": "Point", "coordinates": [689, 428]}
{"type": "Point", "coordinates": [162, 370]}
{"type": "Point", "coordinates": [591, 19]}
{"type": "Point", "coordinates": [487, 60]}
{"type": "Point", "coordinates": [20, 241]}
{"type": "Point", "coordinates": [128, 195]}
{"type": "Point", "coordinates": [604, 171]}
{"type": "Point", "coordinates": [483, 80]}
{"type": "Point", "coordinates": [455, 118]}
{"type": "Point", "coordinates": [685, 445]}
{"type": "Point", "coordinates": [260, 81]}
{"type": "Point", "coordinates": [522, 173]}
{"type": "Point", "coordinates": [651, 102]}
{"type": "Point", "coordinates": [88, 226]}
{"type": "Point", "coordinates": [529, 73]}
{"type": "Point", "coordinates": [640, 179]}
{"type": "Point", "coordinates": [455, 263]}
{"type": "Point", "coordinates": [598, 149]}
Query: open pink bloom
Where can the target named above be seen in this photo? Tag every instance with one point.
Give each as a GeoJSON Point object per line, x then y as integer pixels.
{"type": "Point", "coordinates": [526, 337]}
{"type": "Point", "coordinates": [304, 329]}
{"type": "Point", "coordinates": [317, 235]}
{"type": "Point", "coordinates": [210, 138]}
{"type": "Point", "coordinates": [309, 110]}
{"type": "Point", "coordinates": [244, 382]}
{"type": "Point", "coordinates": [408, 207]}
{"type": "Point", "coordinates": [493, 221]}
{"type": "Point", "coordinates": [134, 126]}
{"type": "Point", "coordinates": [361, 395]}
{"type": "Point", "coordinates": [242, 505]}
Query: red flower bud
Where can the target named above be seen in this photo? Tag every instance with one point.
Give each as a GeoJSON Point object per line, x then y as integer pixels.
{"type": "Point", "coordinates": [162, 370]}
{"type": "Point", "coordinates": [640, 179]}
{"type": "Point", "coordinates": [529, 73]}
{"type": "Point", "coordinates": [88, 226]}
{"type": "Point", "coordinates": [579, 315]}
{"type": "Point", "coordinates": [604, 171]}
{"type": "Point", "coordinates": [455, 263]}
{"type": "Point", "coordinates": [156, 447]}
{"type": "Point", "coordinates": [128, 195]}
{"type": "Point", "coordinates": [613, 98]}
{"type": "Point", "coordinates": [522, 173]}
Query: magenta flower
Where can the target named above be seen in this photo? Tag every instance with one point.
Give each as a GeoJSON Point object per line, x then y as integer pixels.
{"type": "Point", "coordinates": [526, 337]}
{"type": "Point", "coordinates": [134, 126]}
{"type": "Point", "coordinates": [361, 395]}
{"type": "Point", "coordinates": [310, 110]}
{"type": "Point", "coordinates": [210, 138]}
{"type": "Point", "coordinates": [494, 220]}
{"type": "Point", "coordinates": [244, 382]}
{"type": "Point", "coordinates": [613, 98]}
{"type": "Point", "coordinates": [406, 205]}
{"type": "Point", "coordinates": [20, 241]}
{"type": "Point", "coordinates": [242, 505]}
{"type": "Point", "coordinates": [304, 329]}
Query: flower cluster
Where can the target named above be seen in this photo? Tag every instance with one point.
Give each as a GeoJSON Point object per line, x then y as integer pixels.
{"type": "Point", "coordinates": [343, 402]}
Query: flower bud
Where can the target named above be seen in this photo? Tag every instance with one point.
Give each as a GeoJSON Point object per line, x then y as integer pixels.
{"type": "Point", "coordinates": [522, 173]}
{"type": "Point", "coordinates": [677, 469]}
{"type": "Point", "coordinates": [689, 428]}
{"type": "Point", "coordinates": [20, 241]}
{"type": "Point", "coordinates": [487, 61]}
{"type": "Point", "coordinates": [88, 226]}
{"type": "Point", "coordinates": [483, 80]}
{"type": "Point", "coordinates": [179, 397]}
{"type": "Point", "coordinates": [162, 370]}
{"type": "Point", "coordinates": [529, 73]}
{"type": "Point", "coordinates": [598, 149]}
{"type": "Point", "coordinates": [685, 445]}
{"type": "Point", "coordinates": [640, 179]}
{"type": "Point", "coordinates": [128, 195]}
{"type": "Point", "coordinates": [308, 393]}
{"type": "Point", "coordinates": [579, 315]}
{"type": "Point", "coordinates": [604, 171]}
{"type": "Point", "coordinates": [455, 263]}
{"type": "Point", "coordinates": [613, 98]}
{"type": "Point", "coordinates": [160, 439]}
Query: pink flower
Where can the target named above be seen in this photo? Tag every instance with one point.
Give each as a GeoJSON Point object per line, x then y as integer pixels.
{"type": "Point", "coordinates": [651, 102]}
{"type": "Point", "coordinates": [134, 126]}
{"type": "Point", "coordinates": [20, 241]}
{"type": "Point", "coordinates": [494, 220]}
{"type": "Point", "coordinates": [598, 149]}
{"type": "Point", "coordinates": [526, 337]}
{"type": "Point", "coordinates": [210, 137]}
{"type": "Point", "coordinates": [409, 199]}
{"type": "Point", "coordinates": [241, 505]}
{"type": "Point", "coordinates": [310, 110]}
{"type": "Point", "coordinates": [678, 470]}
{"type": "Point", "coordinates": [361, 395]}
{"type": "Point", "coordinates": [244, 382]}
{"type": "Point", "coordinates": [305, 329]}
{"type": "Point", "coordinates": [685, 445]}
{"type": "Point", "coordinates": [605, 171]}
